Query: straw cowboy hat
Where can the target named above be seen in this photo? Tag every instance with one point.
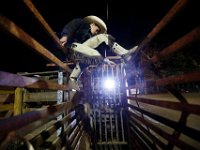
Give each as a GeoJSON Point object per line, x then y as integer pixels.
{"type": "Point", "coordinates": [99, 22]}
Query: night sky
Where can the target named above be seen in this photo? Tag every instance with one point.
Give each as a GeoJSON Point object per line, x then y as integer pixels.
{"type": "Point", "coordinates": [128, 21]}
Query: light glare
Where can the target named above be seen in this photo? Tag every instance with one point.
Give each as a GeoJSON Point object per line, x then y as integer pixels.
{"type": "Point", "coordinates": [109, 84]}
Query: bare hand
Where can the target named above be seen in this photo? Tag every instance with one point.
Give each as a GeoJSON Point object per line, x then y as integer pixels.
{"type": "Point", "coordinates": [109, 62]}
{"type": "Point", "coordinates": [63, 40]}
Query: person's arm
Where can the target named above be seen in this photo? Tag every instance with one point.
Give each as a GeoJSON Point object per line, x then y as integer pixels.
{"type": "Point", "coordinates": [69, 29]}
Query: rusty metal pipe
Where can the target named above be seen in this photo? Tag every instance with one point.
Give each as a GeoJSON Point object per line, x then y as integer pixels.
{"type": "Point", "coordinates": [189, 38]}
{"type": "Point", "coordinates": [18, 33]}
{"type": "Point", "coordinates": [163, 23]}
{"type": "Point", "coordinates": [45, 25]}
{"type": "Point", "coordinates": [185, 78]}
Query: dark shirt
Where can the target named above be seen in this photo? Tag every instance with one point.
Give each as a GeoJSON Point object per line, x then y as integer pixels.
{"type": "Point", "coordinates": [77, 30]}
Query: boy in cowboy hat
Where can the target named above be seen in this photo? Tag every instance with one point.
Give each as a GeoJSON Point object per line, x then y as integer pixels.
{"type": "Point", "coordinates": [83, 36]}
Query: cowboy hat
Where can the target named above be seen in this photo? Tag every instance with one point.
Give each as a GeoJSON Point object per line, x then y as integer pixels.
{"type": "Point", "coordinates": [99, 22]}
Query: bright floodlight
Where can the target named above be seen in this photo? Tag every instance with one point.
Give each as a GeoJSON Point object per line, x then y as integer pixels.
{"type": "Point", "coordinates": [109, 84]}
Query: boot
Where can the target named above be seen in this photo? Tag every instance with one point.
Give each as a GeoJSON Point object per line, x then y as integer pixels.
{"type": "Point", "coordinates": [73, 85]}
{"type": "Point", "coordinates": [119, 50]}
{"type": "Point", "coordinates": [74, 77]}
{"type": "Point", "coordinates": [128, 55]}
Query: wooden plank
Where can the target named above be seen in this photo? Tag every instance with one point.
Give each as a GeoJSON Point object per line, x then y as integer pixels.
{"type": "Point", "coordinates": [18, 101]}
{"type": "Point", "coordinates": [6, 107]}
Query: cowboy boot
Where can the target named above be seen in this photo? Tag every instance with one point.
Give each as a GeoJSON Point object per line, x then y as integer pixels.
{"type": "Point", "coordinates": [119, 50]}
{"type": "Point", "coordinates": [72, 82]}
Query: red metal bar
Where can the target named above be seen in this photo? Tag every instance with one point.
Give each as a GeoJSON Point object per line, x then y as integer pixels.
{"type": "Point", "coordinates": [188, 77]}
{"type": "Point", "coordinates": [189, 38]}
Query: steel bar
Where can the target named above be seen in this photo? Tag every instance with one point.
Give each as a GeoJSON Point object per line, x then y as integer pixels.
{"type": "Point", "coordinates": [100, 126]}
{"type": "Point", "coordinates": [185, 78]}
{"type": "Point", "coordinates": [105, 127]}
{"type": "Point", "coordinates": [38, 73]}
{"type": "Point", "coordinates": [95, 119]}
{"type": "Point", "coordinates": [111, 124]}
{"type": "Point", "coordinates": [122, 124]}
{"type": "Point", "coordinates": [60, 98]}
{"type": "Point", "coordinates": [116, 127]}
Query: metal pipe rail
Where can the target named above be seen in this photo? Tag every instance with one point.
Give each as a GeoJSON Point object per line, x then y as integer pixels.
{"type": "Point", "coordinates": [190, 132]}
{"type": "Point", "coordinates": [18, 33]}
{"type": "Point", "coordinates": [157, 121]}
{"type": "Point", "coordinates": [162, 24]}
{"type": "Point", "coordinates": [172, 139]}
{"type": "Point", "coordinates": [188, 39]}
{"type": "Point", "coordinates": [185, 78]}
{"type": "Point", "coordinates": [44, 24]}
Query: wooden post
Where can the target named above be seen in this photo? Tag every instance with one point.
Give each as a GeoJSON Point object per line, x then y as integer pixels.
{"type": "Point", "coordinates": [18, 101]}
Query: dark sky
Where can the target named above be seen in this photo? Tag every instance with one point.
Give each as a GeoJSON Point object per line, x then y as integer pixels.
{"type": "Point", "coordinates": [128, 21]}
